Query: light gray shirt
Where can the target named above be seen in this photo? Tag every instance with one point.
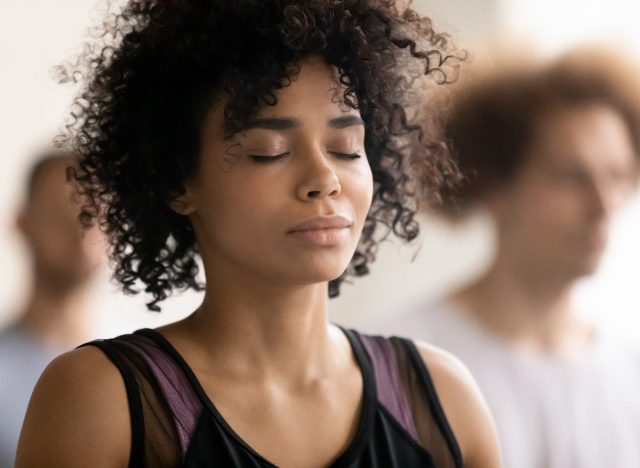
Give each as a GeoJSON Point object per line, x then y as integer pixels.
{"type": "Point", "coordinates": [22, 360]}
{"type": "Point", "coordinates": [550, 412]}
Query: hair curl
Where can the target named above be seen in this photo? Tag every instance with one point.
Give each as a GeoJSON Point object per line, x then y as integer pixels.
{"type": "Point", "coordinates": [153, 70]}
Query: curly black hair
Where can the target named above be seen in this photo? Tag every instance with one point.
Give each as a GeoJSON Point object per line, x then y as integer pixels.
{"type": "Point", "coordinates": [153, 69]}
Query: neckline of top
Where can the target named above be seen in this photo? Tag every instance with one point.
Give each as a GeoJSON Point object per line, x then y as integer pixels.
{"type": "Point", "coordinates": [368, 396]}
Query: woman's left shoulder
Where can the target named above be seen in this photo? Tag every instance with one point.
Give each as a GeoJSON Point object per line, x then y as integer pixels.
{"type": "Point", "coordinates": [464, 406]}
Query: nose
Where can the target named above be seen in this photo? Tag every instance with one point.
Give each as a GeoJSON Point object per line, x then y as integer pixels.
{"type": "Point", "coordinates": [606, 198]}
{"type": "Point", "coordinates": [318, 178]}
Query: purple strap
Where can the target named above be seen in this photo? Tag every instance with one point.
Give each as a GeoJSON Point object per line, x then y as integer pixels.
{"type": "Point", "coordinates": [389, 388]}
{"type": "Point", "coordinates": [174, 385]}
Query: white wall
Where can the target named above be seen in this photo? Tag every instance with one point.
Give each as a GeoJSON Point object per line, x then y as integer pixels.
{"type": "Point", "coordinates": [469, 22]}
{"type": "Point", "coordinates": [36, 34]}
{"type": "Point", "coordinates": [553, 25]}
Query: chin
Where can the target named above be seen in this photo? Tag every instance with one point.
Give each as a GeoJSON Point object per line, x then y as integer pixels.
{"type": "Point", "coordinates": [584, 269]}
{"type": "Point", "coordinates": [322, 274]}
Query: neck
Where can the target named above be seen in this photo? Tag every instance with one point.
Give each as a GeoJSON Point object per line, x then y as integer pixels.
{"type": "Point", "coordinates": [259, 330]}
{"type": "Point", "coordinates": [57, 315]}
{"type": "Point", "coordinates": [530, 309]}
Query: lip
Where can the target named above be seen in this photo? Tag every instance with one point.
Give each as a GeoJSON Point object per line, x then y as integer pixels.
{"type": "Point", "coordinates": [322, 223]}
{"type": "Point", "coordinates": [323, 230]}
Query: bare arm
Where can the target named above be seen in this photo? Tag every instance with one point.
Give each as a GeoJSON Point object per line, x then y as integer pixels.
{"type": "Point", "coordinates": [78, 415]}
{"type": "Point", "coordinates": [465, 408]}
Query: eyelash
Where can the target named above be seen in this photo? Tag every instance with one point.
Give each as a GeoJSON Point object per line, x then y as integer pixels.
{"type": "Point", "coordinates": [347, 156]}
{"type": "Point", "coordinates": [270, 159]}
{"type": "Point", "coordinates": [267, 159]}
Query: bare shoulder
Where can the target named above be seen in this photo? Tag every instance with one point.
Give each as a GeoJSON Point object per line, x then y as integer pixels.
{"type": "Point", "coordinates": [464, 406]}
{"type": "Point", "coordinates": [78, 415]}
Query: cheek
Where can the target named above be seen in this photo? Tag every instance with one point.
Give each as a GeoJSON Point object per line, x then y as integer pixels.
{"type": "Point", "coordinates": [360, 187]}
{"type": "Point", "coordinates": [545, 213]}
{"type": "Point", "coordinates": [93, 243]}
{"type": "Point", "coordinates": [236, 211]}
{"type": "Point", "coordinates": [560, 206]}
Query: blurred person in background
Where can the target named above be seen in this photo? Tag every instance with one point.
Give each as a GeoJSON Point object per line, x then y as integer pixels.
{"type": "Point", "coordinates": [551, 151]}
{"type": "Point", "coordinates": [55, 318]}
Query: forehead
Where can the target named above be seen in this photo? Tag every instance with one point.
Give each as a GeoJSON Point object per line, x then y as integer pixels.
{"type": "Point", "coordinates": [593, 135]}
{"type": "Point", "coordinates": [314, 89]}
{"type": "Point", "coordinates": [313, 98]}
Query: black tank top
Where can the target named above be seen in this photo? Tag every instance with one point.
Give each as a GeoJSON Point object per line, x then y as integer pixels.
{"type": "Point", "coordinates": [175, 424]}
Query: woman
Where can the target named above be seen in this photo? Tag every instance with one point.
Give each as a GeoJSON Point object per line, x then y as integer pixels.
{"type": "Point", "coordinates": [263, 137]}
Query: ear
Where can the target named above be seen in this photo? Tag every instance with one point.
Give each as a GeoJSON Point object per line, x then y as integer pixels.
{"type": "Point", "coordinates": [182, 204]}
{"type": "Point", "coordinates": [22, 223]}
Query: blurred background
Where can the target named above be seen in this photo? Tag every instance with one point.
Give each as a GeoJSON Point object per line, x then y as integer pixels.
{"type": "Point", "coordinates": [36, 35]}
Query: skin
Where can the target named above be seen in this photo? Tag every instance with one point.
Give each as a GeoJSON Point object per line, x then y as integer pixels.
{"type": "Point", "coordinates": [260, 342]}
{"type": "Point", "coordinates": [553, 222]}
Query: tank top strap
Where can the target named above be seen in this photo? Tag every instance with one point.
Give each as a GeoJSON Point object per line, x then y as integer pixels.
{"type": "Point", "coordinates": [435, 406]}
{"type": "Point", "coordinates": [136, 458]}
{"type": "Point", "coordinates": [164, 407]}
{"type": "Point", "coordinates": [406, 391]}
{"type": "Point", "coordinates": [389, 388]}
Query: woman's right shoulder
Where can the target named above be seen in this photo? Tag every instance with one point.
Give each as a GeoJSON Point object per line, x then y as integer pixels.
{"type": "Point", "coordinates": [78, 414]}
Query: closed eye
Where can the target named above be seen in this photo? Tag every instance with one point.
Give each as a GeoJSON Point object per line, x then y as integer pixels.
{"type": "Point", "coordinates": [262, 159]}
{"type": "Point", "coordinates": [347, 156]}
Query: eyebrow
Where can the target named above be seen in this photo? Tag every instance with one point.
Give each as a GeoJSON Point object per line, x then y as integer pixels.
{"type": "Point", "coordinates": [274, 123]}
{"type": "Point", "coordinates": [345, 121]}
{"type": "Point", "coordinates": [286, 123]}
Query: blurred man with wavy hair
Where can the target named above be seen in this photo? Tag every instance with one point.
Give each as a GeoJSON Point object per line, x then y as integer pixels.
{"type": "Point", "coordinates": [551, 152]}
